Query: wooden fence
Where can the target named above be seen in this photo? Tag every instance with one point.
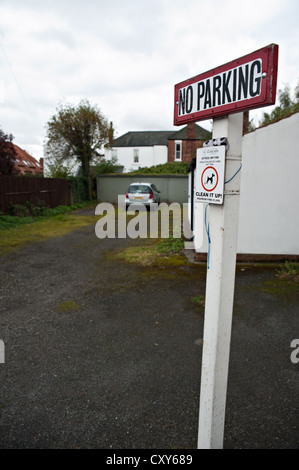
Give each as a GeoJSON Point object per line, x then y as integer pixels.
{"type": "Point", "coordinates": [20, 189]}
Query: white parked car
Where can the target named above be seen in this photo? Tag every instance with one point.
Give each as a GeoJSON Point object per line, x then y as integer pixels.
{"type": "Point", "coordinates": [144, 193]}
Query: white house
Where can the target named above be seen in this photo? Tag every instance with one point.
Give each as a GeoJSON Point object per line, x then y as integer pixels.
{"type": "Point", "coordinates": [139, 149]}
{"type": "Point", "coordinates": [148, 148]}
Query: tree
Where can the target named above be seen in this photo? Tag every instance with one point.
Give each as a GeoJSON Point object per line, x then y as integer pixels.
{"type": "Point", "coordinates": [7, 154]}
{"type": "Point", "coordinates": [56, 168]}
{"type": "Point", "coordinates": [105, 166]}
{"type": "Point", "coordinates": [78, 133]}
{"type": "Point", "coordinates": [287, 106]}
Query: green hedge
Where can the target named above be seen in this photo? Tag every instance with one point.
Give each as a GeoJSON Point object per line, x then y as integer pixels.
{"type": "Point", "coordinates": [175, 168]}
{"type": "Point", "coordinates": [79, 187]}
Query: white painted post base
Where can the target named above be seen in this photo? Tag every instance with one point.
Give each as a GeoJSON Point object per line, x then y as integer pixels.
{"type": "Point", "coordinates": [220, 291]}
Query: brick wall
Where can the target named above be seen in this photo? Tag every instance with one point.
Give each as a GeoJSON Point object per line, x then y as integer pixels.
{"type": "Point", "coordinates": [188, 149]}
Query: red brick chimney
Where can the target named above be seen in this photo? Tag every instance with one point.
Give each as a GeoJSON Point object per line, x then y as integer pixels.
{"type": "Point", "coordinates": [191, 130]}
{"type": "Point", "coordinates": [41, 162]}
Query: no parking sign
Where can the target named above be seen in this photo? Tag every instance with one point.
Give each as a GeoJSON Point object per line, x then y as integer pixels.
{"type": "Point", "coordinates": [210, 163]}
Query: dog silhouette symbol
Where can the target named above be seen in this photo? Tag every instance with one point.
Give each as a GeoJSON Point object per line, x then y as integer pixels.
{"type": "Point", "coordinates": [210, 179]}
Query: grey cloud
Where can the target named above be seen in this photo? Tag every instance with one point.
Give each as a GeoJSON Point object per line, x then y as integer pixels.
{"type": "Point", "coordinates": [55, 34]}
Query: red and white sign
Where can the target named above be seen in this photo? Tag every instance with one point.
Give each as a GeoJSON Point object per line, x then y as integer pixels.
{"type": "Point", "coordinates": [209, 183]}
{"type": "Point", "coordinates": [207, 179]}
{"type": "Point", "coordinates": [246, 83]}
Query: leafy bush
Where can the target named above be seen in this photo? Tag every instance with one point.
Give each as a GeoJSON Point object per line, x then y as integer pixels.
{"type": "Point", "coordinates": [174, 168]}
{"type": "Point", "coordinates": [29, 209]}
{"type": "Point", "coordinates": [104, 166]}
{"type": "Point", "coordinates": [287, 105]}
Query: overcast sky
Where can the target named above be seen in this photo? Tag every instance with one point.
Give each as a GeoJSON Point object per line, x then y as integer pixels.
{"type": "Point", "coordinates": [127, 55]}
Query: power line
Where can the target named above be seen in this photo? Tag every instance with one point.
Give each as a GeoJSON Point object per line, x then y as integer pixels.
{"type": "Point", "coordinates": [14, 76]}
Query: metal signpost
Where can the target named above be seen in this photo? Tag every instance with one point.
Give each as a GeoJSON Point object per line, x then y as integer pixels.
{"type": "Point", "coordinates": [222, 94]}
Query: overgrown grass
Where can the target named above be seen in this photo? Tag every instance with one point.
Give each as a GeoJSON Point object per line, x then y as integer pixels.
{"type": "Point", "coordinates": [289, 272]}
{"type": "Point", "coordinates": [19, 231]}
{"type": "Point", "coordinates": [9, 221]}
{"type": "Point", "coordinates": [154, 252]}
{"type": "Point", "coordinates": [33, 214]}
{"type": "Point", "coordinates": [199, 301]}
{"type": "Point", "coordinates": [170, 246]}
{"type": "Point", "coordinates": [163, 248]}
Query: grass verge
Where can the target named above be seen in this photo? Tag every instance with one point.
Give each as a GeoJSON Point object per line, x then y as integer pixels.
{"type": "Point", "coordinates": [28, 214]}
{"type": "Point", "coordinates": [16, 236]}
{"type": "Point", "coordinates": [154, 252]}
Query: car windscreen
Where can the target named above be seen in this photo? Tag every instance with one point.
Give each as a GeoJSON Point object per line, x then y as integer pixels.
{"type": "Point", "coordinates": [139, 188]}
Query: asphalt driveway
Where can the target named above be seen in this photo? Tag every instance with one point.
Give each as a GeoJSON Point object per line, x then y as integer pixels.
{"type": "Point", "coordinates": [106, 354]}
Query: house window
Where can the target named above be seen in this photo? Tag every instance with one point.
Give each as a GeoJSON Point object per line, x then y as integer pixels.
{"type": "Point", "coordinates": [136, 155]}
{"type": "Point", "coordinates": [178, 150]}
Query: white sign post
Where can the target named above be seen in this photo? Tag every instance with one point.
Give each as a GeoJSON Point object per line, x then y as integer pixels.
{"type": "Point", "coordinates": [2, 352]}
{"type": "Point", "coordinates": [223, 221]}
{"type": "Point", "coordinates": [222, 94]}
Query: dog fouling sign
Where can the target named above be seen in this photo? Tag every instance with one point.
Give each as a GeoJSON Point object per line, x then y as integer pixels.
{"type": "Point", "coordinates": [210, 163]}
